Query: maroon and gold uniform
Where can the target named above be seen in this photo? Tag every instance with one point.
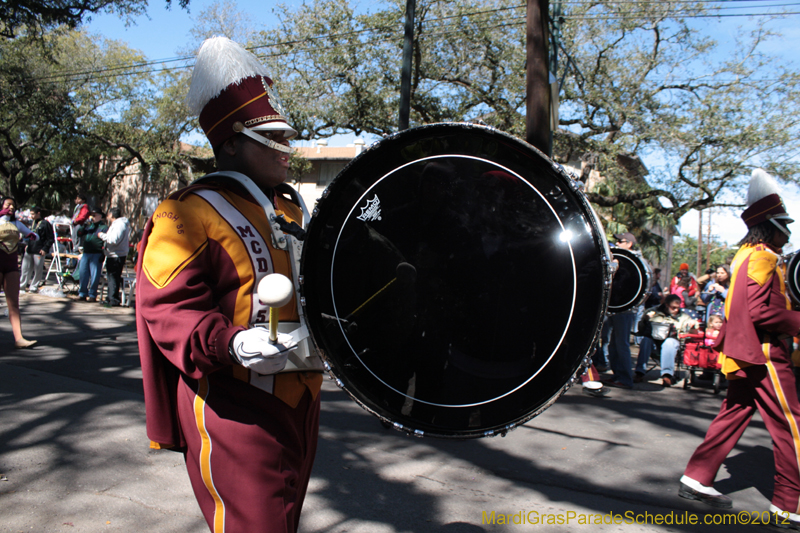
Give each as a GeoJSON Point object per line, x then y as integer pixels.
{"type": "Point", "coordinates": [249, 449]}
{"type": "Point", "coordinates": [756, 359]}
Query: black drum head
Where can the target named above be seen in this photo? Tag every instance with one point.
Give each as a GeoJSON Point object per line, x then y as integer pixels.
{"type": "Point", "coordinates": [631, 281]}
{"type": "Point", "coordinates": [793, 278]}
{"type": "Point", "coordinates": [454, 280]}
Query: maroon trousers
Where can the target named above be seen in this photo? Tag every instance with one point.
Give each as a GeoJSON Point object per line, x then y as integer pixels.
{"type": "Point", "coordinates": [769, 388]}
{"type": "Point", "coordinates": [249, 455]}
{"type": "Point", "coordinates": [591, 374]}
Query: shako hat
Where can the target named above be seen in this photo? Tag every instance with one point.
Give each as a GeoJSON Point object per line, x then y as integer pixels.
{"type": "Point", "coordinates": [231, 93]}
{"type": "Point", "coordinates": [764, 202]}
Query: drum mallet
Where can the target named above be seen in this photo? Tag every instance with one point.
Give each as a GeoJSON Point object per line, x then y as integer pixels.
{"type": "Point", "coordinates": [275, 290]}
{"type": "Point", "coordinates": [405, 273]}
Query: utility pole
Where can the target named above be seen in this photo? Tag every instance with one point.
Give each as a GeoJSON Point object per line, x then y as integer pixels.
{"type": "Point", "coordinates": [699, 241]}
{"type": "Point", "coordinates": [537, 117]}
{"type": "Point", "coordinates": [708, 242]}
{"type": "Point", "coordinates": [405, 74]}
{"type": "Point", "coordinates": [555, 38]}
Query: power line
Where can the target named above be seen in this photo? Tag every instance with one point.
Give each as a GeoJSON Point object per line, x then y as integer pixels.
{"type": "Point", "coordinates": [681, 15]}
{"type": "Point", "coordinates": [135, 68]}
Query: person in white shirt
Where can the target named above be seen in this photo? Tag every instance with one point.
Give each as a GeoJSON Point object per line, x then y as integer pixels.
{"type": "Point", "coordinates": [116, 250]}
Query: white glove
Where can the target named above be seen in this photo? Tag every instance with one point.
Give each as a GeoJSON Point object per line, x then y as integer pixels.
{"type": "Point", "coordinates": [252, 349]}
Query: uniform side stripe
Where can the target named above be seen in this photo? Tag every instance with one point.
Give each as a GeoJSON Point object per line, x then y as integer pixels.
{"type": "Point", "coordinates": [205, 455]}
{"type": "Point", "coordinates": [787, 412]}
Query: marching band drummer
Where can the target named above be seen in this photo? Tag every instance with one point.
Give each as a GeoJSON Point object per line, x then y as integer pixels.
{"type": "Point", "coordinates": [759, 321]}
{"type": "Point", "coordinates": [619, 349]}
{"type": "Point", "coordinates": [214, 386]}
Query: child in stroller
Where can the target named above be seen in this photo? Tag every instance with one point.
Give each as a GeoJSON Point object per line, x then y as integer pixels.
{"type": "Point", "coordinates": [699, 354]}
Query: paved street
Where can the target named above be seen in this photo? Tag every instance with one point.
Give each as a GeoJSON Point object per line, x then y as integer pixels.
{"type": "Point", "coordinates": [74, 455]}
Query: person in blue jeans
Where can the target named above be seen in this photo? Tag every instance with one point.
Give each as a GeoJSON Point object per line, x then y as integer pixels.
{"type": "Point", "coordinates": [619, 350]}
{"type": "Point", "coordinates": [600, 356]}
{"type": "Point", "coordinates": [670, 313]}
{"type": "Point", "coordinates": [619, 346]}
{"type": "Point", "coordinates": [91, 262]}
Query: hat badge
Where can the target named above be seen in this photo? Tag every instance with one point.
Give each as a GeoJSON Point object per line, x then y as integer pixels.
{"type": "Point", "coordinates": [274, 100]}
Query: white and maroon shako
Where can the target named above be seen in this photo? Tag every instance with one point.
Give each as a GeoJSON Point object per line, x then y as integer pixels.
{"type": "Point", "coordinates": [231, 93]}
{"type": "Point", "coordinates": [764, 202]}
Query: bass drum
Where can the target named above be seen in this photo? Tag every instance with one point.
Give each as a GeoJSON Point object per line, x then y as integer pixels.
{"type": "Point", "coordinates": [631, 282]}
{"type": "Point", "coordinates": [454, 280]}
{"type": "Point", "coordinates": [792, 262]}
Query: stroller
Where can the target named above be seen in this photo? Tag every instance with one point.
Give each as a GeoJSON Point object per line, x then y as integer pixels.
{"type": "Point", "coordinates": [698, 356]}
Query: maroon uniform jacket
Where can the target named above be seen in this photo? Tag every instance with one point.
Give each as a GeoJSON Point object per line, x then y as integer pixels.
{"type": "Point", "coordinates": [196, 277]}
{"type": "Point", "coordinates": [757, 308]}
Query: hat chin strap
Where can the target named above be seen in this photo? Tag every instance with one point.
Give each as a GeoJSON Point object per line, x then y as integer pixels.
{"type": "Point", "coordinates": [241, 128]}
{"type": "Point", "coordinates": [781, 227]}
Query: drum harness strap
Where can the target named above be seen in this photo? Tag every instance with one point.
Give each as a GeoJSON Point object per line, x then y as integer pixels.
{"type": "Point", "coordinates": [285, 236]}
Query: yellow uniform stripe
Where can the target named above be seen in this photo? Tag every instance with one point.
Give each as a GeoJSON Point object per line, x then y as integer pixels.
{"type": "Point", "coordinates": [787, 412]}
{"type": "Point", "coordinates": [205, 454]}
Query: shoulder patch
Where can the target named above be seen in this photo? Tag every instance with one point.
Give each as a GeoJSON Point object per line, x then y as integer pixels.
{"type": "Point", "coordinates": [761, 266]}
{"type": "Point", "coordinates": [177, 237]}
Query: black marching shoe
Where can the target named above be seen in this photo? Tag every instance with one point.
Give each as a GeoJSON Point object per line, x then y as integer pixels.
{"type": "Point", "coordinates": [721, 501]}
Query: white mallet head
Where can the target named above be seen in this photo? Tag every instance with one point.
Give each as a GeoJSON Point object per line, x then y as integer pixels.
{"type": "Point", "coordinates": [275, 290]}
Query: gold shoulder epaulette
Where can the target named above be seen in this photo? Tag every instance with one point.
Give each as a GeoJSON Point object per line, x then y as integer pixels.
{"type": "Point", "coordinates": [762, 265]}
{"type": "Point", "coordinates": [178, 236]}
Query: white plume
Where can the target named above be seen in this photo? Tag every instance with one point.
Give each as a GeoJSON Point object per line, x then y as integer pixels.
{"type": "Point", "coordinates": [761, 185]}
{"type": "Point", "coordinates": [220, 62]}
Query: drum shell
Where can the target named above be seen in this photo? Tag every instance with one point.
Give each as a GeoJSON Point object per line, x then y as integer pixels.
{"type": "Point", "coordinates": [792, 262]}
{"type": "Point", "coordinates": [414, 281]}
{"type": "Point", "coordinates": [631, 282]}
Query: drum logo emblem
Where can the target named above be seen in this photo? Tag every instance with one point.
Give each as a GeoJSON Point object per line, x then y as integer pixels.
{"type": "Point", "coordinates": [371, 211]}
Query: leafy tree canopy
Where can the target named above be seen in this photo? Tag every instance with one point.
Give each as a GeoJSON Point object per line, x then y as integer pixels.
{"type": "Point", "coordinates": [685, 251]}
{"type": "Point", "coordinates": [34, 17]}
{"type": "Point", "coordinates": [644, 81]}
{"type": "Point", "coordinates": [71, 119]}
{"type": "Point", "coordinates": [638, 79]}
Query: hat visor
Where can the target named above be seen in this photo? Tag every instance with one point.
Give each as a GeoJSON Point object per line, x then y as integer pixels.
{"type": "Point", "coordinates": [277, 126]}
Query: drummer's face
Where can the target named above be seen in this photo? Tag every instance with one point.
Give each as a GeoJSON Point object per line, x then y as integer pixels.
{"type": "Point", "coordinates": [779, 238]}
{"type": "Point", "coordinates": [262, 164]}
{"type": "Point", "coordinates": [674, 307]}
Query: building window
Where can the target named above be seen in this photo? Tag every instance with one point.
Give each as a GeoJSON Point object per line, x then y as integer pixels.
{"type": "Point", "coordinates": [328, 171]}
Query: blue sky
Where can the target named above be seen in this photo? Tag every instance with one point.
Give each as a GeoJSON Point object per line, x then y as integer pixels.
{"type": "Point", "coordinates": [165, 33]}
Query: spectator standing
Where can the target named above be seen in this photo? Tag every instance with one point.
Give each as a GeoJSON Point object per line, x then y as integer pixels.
{"type": "Point", "coordinates": [683, 291]}
{"type": "Point", "coordinates": [91, 262]}
{"type": "Point", "coordinates": [116, 250]}
{"type": "Point", "coordinates": [754, 346]}
{"type": "Point", "coordinates": [10, 230]}
{"type": "Point", "coordinates": [80, 216]}
{"type": "Point", "coordinates": [710, 275]}
{"type": "Point", "coordinates": [33, 259]}
{"type": "Point", "coordinates": [716, 291]}
{"type": "Point", "coordinates": [619, 346]}
{"type": "Point", "coordinates": [682, 273]}
{"type": "Point", "coordinates": [656, 294]}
